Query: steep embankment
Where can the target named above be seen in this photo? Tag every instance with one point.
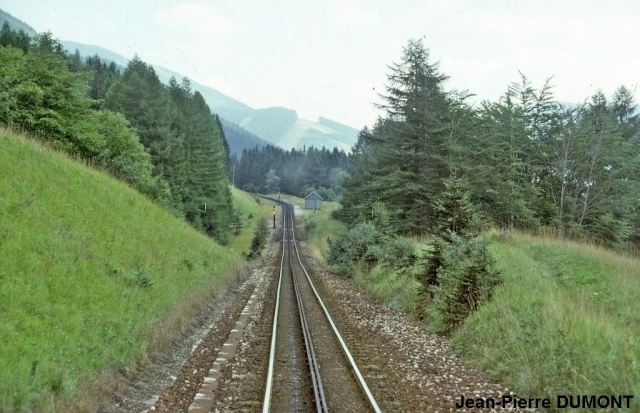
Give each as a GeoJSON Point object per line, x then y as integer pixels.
{"type": "Point", "coordinates": [565, 321]}
{"type": "Point", "coordinates": [92, 275]}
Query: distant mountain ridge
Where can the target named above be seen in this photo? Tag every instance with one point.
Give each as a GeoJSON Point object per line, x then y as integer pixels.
{"type": "Point", "coordinates": [275, 125]}
{"type": "Point", "coordinates": [16, 24]}
{"type": "Point", "coordinates": [245, 127]}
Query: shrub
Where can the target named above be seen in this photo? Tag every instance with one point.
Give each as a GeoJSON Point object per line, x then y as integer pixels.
{"type": "Point", "coordinates": [259, 238]}
{"type": "Point", "coordinates": [309, 226]}
{"type": "Point", "coordinates": [356, 245]}
{"type": "Point", "coordinates": [374, 254]}
{"type": "Point", "coordinates": [465, 276]}
{"type": "Point", "coordinates": [459, 273]}
{"type": "Point", "coordinates": [400, 253]}
{"type": "Point", "coordinates": [251, 188]}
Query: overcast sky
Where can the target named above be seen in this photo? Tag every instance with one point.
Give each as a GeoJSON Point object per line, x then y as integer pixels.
{"type": "Point", "coordinates": [326, 57]}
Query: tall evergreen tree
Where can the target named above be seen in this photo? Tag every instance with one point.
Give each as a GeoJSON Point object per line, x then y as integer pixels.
{"type": "Point", "coordinates": [409, 153]}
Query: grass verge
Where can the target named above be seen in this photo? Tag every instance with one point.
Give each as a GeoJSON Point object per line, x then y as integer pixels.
{"type": "Point", "coordinates": [91, 275]}
{"type": "Point", "coordinates": [251, 209]}
{"type": "Point", "coordinates": [565, 321]}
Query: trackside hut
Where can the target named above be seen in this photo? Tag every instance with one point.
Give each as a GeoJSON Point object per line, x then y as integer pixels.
{"type": "Point", "coordinates": [313, 201]}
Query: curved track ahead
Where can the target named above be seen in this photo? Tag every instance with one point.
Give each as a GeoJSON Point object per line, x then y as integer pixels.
{"type": "Point", "coordinates": [310, 366]}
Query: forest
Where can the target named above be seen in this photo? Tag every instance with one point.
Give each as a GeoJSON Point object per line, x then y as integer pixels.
{"type": "Point", "coordinates": [438, 166]}
{"type": "Point", "coordinates": [527, 161]}
{"type": "Point", "coordinates": [161, 139]}
{"type": "Point", "coordinates": [296, 172]}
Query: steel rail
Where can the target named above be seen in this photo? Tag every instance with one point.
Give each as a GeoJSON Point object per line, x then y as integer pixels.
{"type": "Point", "coordinates": [320, 399]}
{"type": "Point", "coordinates": [267, 393]}
{"type": "Point", "coordinates": [345, 349]}
{"type": "Point", "coordinates": [318, 389]}
{"type": "Point", "coordinates": [321, 404]}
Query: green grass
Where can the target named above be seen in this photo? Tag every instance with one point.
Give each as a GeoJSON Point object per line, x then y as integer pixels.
{"type": "Point", "coordinates": [91, 274]}
{"type": "Point", "coordinates": [250, 211]}
{"type": "Point", "coordinates": [388, 287]}
{"type": "Point", "coordinates": [565, 321]}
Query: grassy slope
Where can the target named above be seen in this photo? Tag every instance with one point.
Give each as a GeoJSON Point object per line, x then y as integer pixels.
{"type": "Point", "coordinates": [250, 212]}
{"type": "Point", "coordinates": [76, 249]}
{"type": "Point", "coordinates": [565, 321]}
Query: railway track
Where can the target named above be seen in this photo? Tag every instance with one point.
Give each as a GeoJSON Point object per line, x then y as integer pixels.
{"type": "Point", "coordinates": [404, 365]}
{"type": "Point", "coordinates": [310, 366]}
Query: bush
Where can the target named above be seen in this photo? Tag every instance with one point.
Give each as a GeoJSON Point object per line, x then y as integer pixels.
{"type": "Point", "coordinates": [327, 194]}
{"type": "Point", "coordinates": [251, 188]}
{"type": "Point", "coordinates": [400, 253]}
{"type": "Point", "coordinates": [374, 254]}
{"type": "Point", "coordinates": [356, 245]}
{"type": "Point", "coordinates": [459, 273]}
{"type": "Point", "coordinates": [259, 238]}
{"type": "Point", "coordinates": [465, 276]}
{"type": "Point", "coordinates": [309, 226]}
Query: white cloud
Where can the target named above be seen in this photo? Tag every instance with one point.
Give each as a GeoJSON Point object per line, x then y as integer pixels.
{"type": "Point", "coordinates": [192, 37]}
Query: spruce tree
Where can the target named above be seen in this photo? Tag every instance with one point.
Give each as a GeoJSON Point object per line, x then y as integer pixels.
{"type": "Point", "coordinates": [412, 157]}
{"type": "Point", "coordinates": [459, 272]}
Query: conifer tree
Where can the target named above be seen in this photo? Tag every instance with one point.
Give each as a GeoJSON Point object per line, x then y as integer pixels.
{"type": "Point", "coordinates": [459, 272]}
{"type": "Point", "coordinates": [412, 158]}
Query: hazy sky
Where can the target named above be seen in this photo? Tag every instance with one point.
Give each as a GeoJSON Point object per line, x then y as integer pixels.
{"type": "Point", "coordinates": [326, 57]}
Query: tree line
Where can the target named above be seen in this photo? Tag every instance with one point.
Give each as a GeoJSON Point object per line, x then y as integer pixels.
{"type": "Point", "coordinates": [436, 164]}
{"type": "Point", "coordinates": [161, 139]}
{"type": "Point", "coordinates": [528, 161]}
{"type": "Point", "coordinates": [297, 172]}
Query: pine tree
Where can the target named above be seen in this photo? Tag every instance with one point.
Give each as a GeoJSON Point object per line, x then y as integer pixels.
{"type": "Point", "coordinates": [413, 158]}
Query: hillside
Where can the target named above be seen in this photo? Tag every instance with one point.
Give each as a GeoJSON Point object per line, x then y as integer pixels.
{"type": "Point", "coordinates": [279, 126]}
{"type": "Point", "coordinates": [240, 139]}
{"type": "Point", "coordinates": [307, 133]}
{"type": "Point", "coordinates": [16, 24]}
{"type": "Point", "coordinates": [89, 269]}
{"type": "Point", "coordinates": [564, 322]}
{"type": "Point", "coordinates": [283, 127]}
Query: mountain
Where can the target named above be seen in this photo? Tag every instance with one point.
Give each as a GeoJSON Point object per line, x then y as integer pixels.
{"type": "Point", "coordinates": [276, 125]}
{"type": "Point", "coordinates": [244, 126]}
{"type": "Point", "coordinates": [240, 139]}
{"type": "Point", "coordinates": [16, 24]}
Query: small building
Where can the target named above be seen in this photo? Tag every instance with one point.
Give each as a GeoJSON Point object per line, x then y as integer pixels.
{"type": "Point", "coordinates": [313, 201]}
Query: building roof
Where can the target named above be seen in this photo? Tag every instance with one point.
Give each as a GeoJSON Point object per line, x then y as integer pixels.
{"type": "Point", "coordinates": [313, 193]}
